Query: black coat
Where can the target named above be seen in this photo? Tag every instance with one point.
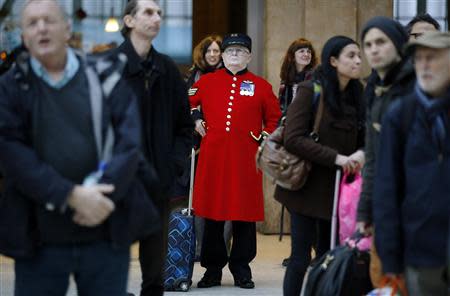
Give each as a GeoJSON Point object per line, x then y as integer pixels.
{"type": "Point", "coordinates": [31, 184]}
{"type": "Point", "coordinates": [400, 81]}
{"type": "Point", "coordinates": [166, 122]}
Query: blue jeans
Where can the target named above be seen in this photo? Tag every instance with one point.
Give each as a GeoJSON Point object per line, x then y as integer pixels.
{"type": "Point", "coordinates": [98, 270]}
{"type": "Point", "coordinates": [306, 233]}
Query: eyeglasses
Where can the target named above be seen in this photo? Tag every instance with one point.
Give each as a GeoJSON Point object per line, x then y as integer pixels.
{"type": "Point", "coordinates": [236, 50]}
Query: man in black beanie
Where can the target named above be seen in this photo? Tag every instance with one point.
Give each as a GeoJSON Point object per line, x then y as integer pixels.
{"type": "Point", "coordinates": [382, 41]}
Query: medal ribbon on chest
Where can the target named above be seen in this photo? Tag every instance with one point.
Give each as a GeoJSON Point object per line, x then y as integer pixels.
{"type": "Point", "coordinates": [247, 88]}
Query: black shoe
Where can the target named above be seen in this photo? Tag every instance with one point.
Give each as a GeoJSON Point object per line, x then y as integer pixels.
{"type": "Point", "coordinates": [208, 282]}
{"type": "Point", "coordinates": [286, 261]}
{"type": "Point", "coordinates": [130, 294]}
{"type": "Point", "coordinates": [244, 283]}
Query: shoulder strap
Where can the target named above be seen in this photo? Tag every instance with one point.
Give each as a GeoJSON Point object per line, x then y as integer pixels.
{"type": "Point", "coordinates": [318, 96]}
{"type": "Point", "coordinates": [96, 96]}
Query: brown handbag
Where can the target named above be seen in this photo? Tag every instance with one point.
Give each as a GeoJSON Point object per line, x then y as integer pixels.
{"type": "Point", "coordinates": [288, 170]}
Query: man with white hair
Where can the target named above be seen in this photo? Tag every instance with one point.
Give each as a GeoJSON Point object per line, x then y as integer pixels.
{"type": "Point", "coordinates": [411, 201]}
{"type": "Point", "coordinates": [69, 136]}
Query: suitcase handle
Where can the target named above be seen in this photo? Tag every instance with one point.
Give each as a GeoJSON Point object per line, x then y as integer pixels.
{"type": "Point", "coordinates": [191, 182]}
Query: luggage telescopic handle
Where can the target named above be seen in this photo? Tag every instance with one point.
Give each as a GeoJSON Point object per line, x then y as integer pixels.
{"type": "Point", "coordinates": [334, 214]}
{"type": "Point", "coordinates": [191, 181]}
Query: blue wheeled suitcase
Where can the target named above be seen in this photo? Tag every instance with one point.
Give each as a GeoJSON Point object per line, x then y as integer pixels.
{"type": "Point", "coordinates": [181, 245]}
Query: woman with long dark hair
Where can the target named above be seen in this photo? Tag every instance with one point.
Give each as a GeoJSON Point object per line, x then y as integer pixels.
{"type": "Point", "coordinates": [298, 64]}
{"type": "Point", "coordinates": [206, 58]}
{"type": "Point", "coordinates": [341, 136]}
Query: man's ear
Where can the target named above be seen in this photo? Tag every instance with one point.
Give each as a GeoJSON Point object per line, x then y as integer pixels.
{"type": "Point", "coordinates": [24, 41]}
{"type": "Point", "coordinates": [250, 57]}
{"type": "Point", "coordinates": [128, 21]}
{"type": "Point", "coordinates": [68, 31]}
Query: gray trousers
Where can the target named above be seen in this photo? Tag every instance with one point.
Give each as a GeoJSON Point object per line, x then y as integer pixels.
{"type": "Point", "coordinates": [426, 281]}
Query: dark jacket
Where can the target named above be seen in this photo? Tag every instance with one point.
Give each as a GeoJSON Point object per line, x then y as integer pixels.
{"type": "Point", "coordinates": [338, 134]}
{"type": "Point", "coordinates": [31, 184]}
{"type": "Point", "coordinates": [166, 122]}
{"type": "Point", "coordinates": [411, 198]}
{"type": "Point", "coordinates": [398, 82]}
{"type": "Point", "coordinates": [195, 73]}
{"type": "Point", "coordinates": [286, 93]}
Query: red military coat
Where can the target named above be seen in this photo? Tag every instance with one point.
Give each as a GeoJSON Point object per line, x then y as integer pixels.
{"type": "Point", "coordinates": [227, 184]}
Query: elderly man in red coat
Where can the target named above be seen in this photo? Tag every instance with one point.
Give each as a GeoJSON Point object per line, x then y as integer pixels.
{"type": "Point", "coordinates": [238, 109]}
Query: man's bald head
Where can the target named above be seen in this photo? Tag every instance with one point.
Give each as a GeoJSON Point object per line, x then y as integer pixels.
{"type": "Point", "coordinates": [61, 11]}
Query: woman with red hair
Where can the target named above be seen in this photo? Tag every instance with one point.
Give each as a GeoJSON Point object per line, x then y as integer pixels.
{"type": "Point", "coordinates": [298, 64]}
{"type": "Point", "coordinates": [207, 57]}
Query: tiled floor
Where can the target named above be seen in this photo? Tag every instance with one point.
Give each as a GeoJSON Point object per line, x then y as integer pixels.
{"type": "Point", "coordinates": [267, 273]}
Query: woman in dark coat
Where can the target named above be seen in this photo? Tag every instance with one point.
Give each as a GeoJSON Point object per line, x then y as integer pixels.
{"type": "Point", "coordinates": [340, 138]}
{"type": "Point", "coordinates": [298, 63]}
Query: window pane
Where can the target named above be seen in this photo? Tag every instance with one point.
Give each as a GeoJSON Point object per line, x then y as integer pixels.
{"type": "Point", "coordinates": [174, 39]}
{"type": "Point", "coordinates": [437, 8]}
{"type": "Point", "coordinates": [406, 8]}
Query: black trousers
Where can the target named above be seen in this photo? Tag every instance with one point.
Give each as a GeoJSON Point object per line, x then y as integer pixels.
{"type": "Point", "coordinates": [152, 255]}
{"type": "Point", "coordinates": [214, 255]}
{"type": "Point", "coordinates": [306, 233]}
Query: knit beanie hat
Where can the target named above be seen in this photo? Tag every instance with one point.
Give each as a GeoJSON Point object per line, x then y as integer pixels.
{"type": "Point", "coordinates": [333, 47]}
{"type": "Point", "coordinates": [393, 29]}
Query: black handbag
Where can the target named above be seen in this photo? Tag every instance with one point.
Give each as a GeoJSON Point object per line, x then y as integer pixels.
{"type": "Point", "coordinates": [343, 271]}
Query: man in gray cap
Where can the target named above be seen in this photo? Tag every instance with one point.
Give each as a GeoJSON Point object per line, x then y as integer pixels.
{"type": "Point", "coordinates": [238, 108]}
{"type": "Point", "coordinates": [411, 199]}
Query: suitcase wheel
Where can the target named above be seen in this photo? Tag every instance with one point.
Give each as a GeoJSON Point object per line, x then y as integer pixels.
{"type": "Point", "coordinates": [184, 286]}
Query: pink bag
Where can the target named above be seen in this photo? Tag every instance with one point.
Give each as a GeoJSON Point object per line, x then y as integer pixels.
{"type": "Point", "coordinates": [350, 190]}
